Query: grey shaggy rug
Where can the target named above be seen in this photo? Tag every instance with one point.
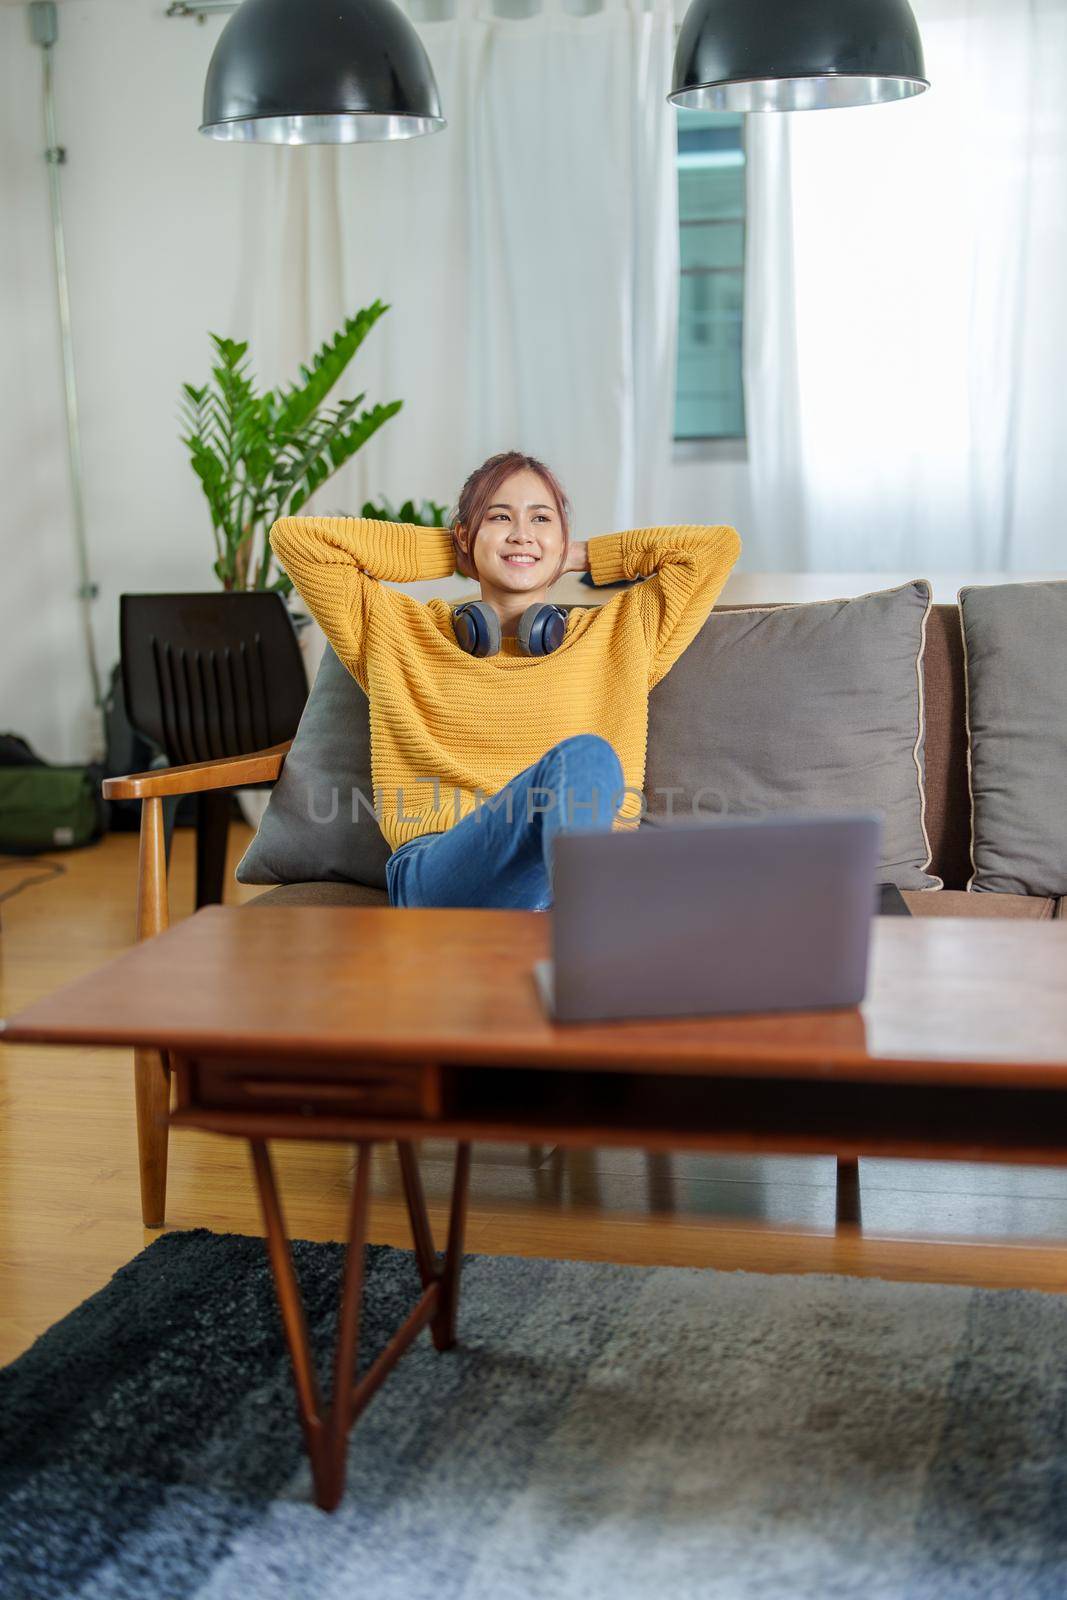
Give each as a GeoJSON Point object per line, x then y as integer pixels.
{"type": "Point", "coordinates": [601, 1431]}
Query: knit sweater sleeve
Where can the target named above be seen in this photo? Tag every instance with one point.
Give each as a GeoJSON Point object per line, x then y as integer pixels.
{"type": "Point", "coordinates": [338, 563]}
{"type": "Point", "coordinates": [685, 570]}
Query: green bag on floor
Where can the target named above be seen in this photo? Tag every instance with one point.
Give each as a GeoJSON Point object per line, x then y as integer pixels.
{"type": "Point", "coordinates": [49, 808]}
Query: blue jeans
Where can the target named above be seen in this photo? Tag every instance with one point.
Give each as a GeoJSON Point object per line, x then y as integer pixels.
{"type": "Point", "coordinates": [500, 854]}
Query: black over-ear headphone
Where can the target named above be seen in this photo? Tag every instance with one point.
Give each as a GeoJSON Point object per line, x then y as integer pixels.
{"type": "Point", "coordinates": [477, 628]}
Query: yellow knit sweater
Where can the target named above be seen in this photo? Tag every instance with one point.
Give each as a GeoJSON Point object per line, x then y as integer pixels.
{"type": "Point", "coordinates": [449, 729]}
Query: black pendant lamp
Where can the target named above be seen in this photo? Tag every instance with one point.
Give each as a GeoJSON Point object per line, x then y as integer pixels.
{"type": "Point", "coordinates": [319, 72]}
{"type": "Point", "coordinates": [796, 55]}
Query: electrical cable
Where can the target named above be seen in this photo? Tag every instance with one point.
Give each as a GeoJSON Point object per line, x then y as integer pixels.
{"type": "Point", "coordinates": [9, 863]}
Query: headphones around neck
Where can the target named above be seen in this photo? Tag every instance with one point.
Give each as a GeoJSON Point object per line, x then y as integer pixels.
{"type": "Point", "coordinates": [477, 628]}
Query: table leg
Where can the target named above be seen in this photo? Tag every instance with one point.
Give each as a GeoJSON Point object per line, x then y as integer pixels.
{"type": "Point", "coordinates": [444, 1323]}
{"type": "Point", "coordinates": [444, 1326]}
{"type": "Point", "coordinates": [326, 1431]}
{"type": "Point", "coordinates": [291, 1306]}
{"type": "Point", "coordinates": [415, 1198]}
{"type": "Point", "coordinates": [849, 1204]}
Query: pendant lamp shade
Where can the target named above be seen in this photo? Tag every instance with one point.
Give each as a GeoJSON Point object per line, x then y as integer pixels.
{"type": "Point", "coordinates": [319, 72]}
{"type": "Point", "coordinates": [796, 55]}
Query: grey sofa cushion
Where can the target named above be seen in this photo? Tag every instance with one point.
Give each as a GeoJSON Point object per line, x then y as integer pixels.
{"type": "Point", "coordinates": [1015, 661]}
{"type": "Point", "coordinates": [307, 833]}
{"type": "Point", "coordinates": [815, 706]}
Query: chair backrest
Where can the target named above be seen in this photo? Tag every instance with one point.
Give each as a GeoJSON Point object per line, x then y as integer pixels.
{"type": "Point", "coordinates": [211, 675]}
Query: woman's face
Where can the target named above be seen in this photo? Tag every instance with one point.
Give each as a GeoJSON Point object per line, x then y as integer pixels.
{"type": "Point", "coordinates": [520, 540]}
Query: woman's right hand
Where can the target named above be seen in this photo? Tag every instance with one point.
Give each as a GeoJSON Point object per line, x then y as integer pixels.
{"type": "Point", "coordinates": [463, 563]}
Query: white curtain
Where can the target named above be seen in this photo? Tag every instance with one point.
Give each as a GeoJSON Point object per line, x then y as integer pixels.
{"type": "Point", "coordinates": [528, 253]}
{"type": "Point", "coordinates": [906, 311]}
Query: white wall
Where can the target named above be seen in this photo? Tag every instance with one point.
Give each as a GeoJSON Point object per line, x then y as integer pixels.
{"type": "Point", "coordinates": [152, 212]}
{"type": "Point", "coordinates": [35, 551]}
{"type": "Point", "coordinates": [152, 223]}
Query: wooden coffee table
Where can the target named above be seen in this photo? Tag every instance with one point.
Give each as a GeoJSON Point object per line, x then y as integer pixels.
{"type": "Point", "coordinates": [375, 1024]}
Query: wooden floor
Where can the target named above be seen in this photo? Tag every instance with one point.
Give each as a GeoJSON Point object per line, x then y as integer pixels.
{"type": "Point", "coordinates": [69, 1211]}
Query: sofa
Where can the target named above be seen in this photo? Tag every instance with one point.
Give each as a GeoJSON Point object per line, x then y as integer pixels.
{"type": "Point", "coordinates": [947, 809]}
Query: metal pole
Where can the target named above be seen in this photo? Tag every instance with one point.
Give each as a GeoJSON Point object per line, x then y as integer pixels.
{"type": "Point", "coordinates": [44, 29]}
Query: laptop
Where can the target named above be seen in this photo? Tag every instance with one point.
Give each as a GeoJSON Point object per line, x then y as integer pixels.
{"type": "Point", "coordinates": [699, 916]}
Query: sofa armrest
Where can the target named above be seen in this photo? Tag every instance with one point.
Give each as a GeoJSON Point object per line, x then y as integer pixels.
{"type": "Point", "coordinates": [229, 772]}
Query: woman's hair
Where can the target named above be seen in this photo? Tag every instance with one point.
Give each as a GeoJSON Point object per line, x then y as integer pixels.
{"type": "Point", "coordinates": [480, 490]}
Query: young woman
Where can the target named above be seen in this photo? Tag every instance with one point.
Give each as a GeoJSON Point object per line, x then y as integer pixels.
{"type": "Point", "coordinates": [486, 741]}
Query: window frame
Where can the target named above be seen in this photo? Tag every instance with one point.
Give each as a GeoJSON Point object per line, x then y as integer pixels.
{"type": "Point", "coordinates": [713, 446]}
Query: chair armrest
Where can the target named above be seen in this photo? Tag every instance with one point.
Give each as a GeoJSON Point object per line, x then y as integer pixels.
{"type": "Point", "coordinates": [229, 772]}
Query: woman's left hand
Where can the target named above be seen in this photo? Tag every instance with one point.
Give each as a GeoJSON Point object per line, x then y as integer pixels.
{"type": "Point", "coordinates": [577, 557]}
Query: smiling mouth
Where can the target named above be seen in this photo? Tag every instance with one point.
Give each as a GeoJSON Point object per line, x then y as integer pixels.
{"type": "Point", "coordinates": [521, 561]}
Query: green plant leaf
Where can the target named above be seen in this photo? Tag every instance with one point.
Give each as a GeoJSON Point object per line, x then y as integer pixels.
{"type": "Point", "coordinates": [342, 447]}
{"type": "Point", "coordinates": [258, 454]}
{"type": "Point", "coordinates": [428, 515]}
{"type": "Point", "coordinates": [300, 401]}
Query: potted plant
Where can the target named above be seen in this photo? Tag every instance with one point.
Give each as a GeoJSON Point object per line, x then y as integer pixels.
{"type": "Point", "coordinates": [259, 456]}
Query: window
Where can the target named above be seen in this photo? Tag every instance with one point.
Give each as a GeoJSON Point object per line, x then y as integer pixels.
{"type": "Point", "coordinates": [709, 400]}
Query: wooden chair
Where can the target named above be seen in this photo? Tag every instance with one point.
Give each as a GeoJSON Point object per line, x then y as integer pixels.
{"type": "Point", "coordinates": [151, 1068]}
{"type": "Point", "coordinates": [217, 681]}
